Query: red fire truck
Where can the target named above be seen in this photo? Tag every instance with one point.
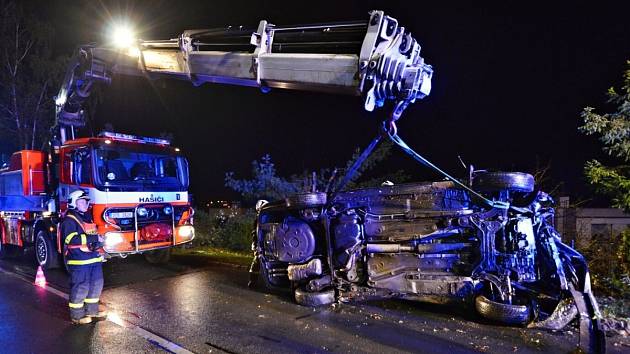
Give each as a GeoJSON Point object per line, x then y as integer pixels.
{"type": "Point", "coordinates": [139, 185]}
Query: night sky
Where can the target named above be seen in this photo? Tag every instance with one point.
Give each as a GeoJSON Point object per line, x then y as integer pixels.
{"type": "Point", "coordinates": [510, 81]}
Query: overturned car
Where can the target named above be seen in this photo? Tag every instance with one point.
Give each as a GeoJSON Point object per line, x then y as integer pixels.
{"type": "Point", "coordinates": [432, 242]}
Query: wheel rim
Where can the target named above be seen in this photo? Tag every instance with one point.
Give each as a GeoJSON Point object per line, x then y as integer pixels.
{"type": "Point", "coordinates": [42, 250]}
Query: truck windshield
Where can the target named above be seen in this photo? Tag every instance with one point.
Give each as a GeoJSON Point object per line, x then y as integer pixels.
{"type": "Point", "coordinates": [130, 167]}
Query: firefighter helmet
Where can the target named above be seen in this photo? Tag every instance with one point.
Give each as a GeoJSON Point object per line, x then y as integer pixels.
{"type": "Point", "coordinates": [76, 195]}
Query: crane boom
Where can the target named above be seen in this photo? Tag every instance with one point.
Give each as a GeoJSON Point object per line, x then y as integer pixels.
{"type": "Point", "coordinates": [376, 59]}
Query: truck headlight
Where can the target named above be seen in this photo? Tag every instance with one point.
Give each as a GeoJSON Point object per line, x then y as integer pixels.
{"type": "Point", "coordinates": [142, 212]}
{"type": "Point", "coordinates": [112, 239]}
{"type": "Point", "coordinates": [186, 231]}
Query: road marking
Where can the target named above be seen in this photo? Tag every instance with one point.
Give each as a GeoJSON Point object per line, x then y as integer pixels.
{"type": "Point", "coordinates": [220, 348]}
{"type": "Point", "coordinates": [114, 318]}
{"type": "Point", "coordinates": [151, 337]}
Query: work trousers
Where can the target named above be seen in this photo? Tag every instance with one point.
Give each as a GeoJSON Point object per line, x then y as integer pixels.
{"type": "Point", "coordinates": [86, 284]}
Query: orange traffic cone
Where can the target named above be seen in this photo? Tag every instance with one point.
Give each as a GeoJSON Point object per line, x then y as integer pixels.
{"type": "Point", "coordinates": [40, 278]}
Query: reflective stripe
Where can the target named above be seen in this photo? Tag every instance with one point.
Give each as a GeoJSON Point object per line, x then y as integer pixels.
{"type": "Point", "coordinates": [91, 301]}
{"type": "Point", "coordinates": [85, 261]}
{"type": "Point", "coordinates": [83, 224]}
{"type": "Point", "coordinates": [82, 248]}
{"type": "Point", "coordinates": [70, 236]}
{"type": "Point", "coordinates": [83, 239]}
{"type": "Point", "coordinates": [74, 218]}
{"type": "Point", "coordinates": [75, 306]}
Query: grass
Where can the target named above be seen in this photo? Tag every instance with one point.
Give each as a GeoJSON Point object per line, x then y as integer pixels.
{"type": "Point", "coordinates": [214, 254]}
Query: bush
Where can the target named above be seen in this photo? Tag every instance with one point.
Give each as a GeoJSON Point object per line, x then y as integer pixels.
{"type": "Point", "coordinates": [233, 233]}
{"type": "Point", "coordinates": [623, 252]}
{"type": "Point", "coordinates": [609, 264]}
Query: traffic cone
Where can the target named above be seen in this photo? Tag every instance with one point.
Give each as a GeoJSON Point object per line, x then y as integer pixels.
{"type": "Point", "coordinates": [40, 278]}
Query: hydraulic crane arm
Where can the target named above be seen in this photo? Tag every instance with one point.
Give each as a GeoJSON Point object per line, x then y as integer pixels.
{"type": "Point", "coordinates": [377, 60]}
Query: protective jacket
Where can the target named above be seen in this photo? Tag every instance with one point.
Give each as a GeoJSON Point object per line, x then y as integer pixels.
{"type": "Point", "coordinates": [79, 239]}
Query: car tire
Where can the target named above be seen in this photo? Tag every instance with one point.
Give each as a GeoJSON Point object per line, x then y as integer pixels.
{"type": "Point", "coordinates": [504, 313]}
{"type": "Point", "coordinates": [160, 256]}
{"type": "Point", "coordinates": [498, 181]}
{"type": "Point", "coordinates": [45, 252]}
{"type": "Point", "coordinates": [306, 200]}
{"type": "Point", "coordinates": [315, 298]}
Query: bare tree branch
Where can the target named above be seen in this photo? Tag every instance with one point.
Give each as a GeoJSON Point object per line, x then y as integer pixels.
{"type": "Point", "coordinates": [6, 109]}
{"type": "Point", "coordinates": [36, 113]}
{"type": "Point", "coordinates": [27, 71]}
{"type": "Point", "coordinates": [29, 44]}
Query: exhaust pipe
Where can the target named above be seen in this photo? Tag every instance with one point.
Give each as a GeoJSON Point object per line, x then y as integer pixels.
{"type": "Point", "coordinates": [421, 248]}
{"type": "Point", "coordinates": [305, 271]}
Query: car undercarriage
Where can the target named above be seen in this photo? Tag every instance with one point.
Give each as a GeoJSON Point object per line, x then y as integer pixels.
{"type": "Point", "coordinates": [432, 242]}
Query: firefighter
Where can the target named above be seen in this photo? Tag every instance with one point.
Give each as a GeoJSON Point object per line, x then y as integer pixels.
{"type": "Point", "coordinates": [83, 260]}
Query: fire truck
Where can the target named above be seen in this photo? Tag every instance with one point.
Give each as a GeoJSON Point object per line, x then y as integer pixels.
{"type": "Point", "coordinates": [139, 185]}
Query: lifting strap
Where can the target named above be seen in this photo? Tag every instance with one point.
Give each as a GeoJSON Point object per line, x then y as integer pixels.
{"type": "Point", "coordinates": [352, 171]}
{"type": "Point", "coordinates": [398, 141]}
{"type": "Point", "coordinates": [390, 129]}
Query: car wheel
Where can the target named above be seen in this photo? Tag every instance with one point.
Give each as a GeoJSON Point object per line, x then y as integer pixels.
{"type": "Point", "coordinates": [160, 256]}
{"type": "Point", "coordinates": [45, 252]}
{"type": "Point", "coordinates": [315, 298]}
{"type": "Point", "coordinates": [306, 200]}
{"type": "Point", "coordinates": [504, 313]}
{"type": "Point", "coordinates": [498, 181]}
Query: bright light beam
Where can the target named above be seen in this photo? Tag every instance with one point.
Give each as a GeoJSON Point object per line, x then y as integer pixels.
{"type": "Point", "coordinates": [123, 36]}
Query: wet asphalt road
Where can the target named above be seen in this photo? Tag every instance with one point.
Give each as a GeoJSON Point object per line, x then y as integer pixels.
{"type": "Point", "coordinates": [208, 308]}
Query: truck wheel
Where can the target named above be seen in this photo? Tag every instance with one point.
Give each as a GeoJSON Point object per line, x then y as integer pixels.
{"type": "Point", "coordinates": [504, 313]}
{"type": "Point", "coordinates": [315, 298]}
{"type": "Point", "coordinates": [5, 251]}
{"type": "Point", "coordinates": [498, 181]}
{"type": "Point", "coordinates": [160, 256]}
{"type": "Point", "coordinates": [45, 252]}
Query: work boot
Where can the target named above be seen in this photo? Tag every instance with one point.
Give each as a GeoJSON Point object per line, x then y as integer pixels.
{"type": "Point", "coordinates": [101, 315]}
{"type": "Point", "coordinates": [82, 320]}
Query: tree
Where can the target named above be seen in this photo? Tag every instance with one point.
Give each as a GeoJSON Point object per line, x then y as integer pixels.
{"type": "Point", "coordinates": [266, 184]}
{"type": "Point", "coordinates": [613, 130]}
{"type": "Point", "coordinates": [28, 76]}
{"type": "Point", "coordinates": [380, 154]}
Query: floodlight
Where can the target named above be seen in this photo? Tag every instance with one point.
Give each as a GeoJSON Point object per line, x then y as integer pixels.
{"type": "Point", "coordinates": [123, 36]}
